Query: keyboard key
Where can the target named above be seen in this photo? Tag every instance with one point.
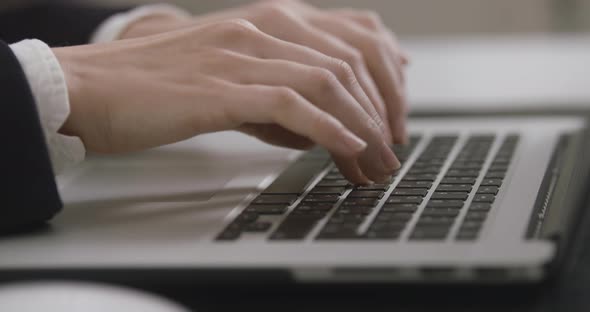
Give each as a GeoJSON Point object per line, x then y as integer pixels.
{"type": "Point", "coordinates": [429, 234]}
{"type": "Point", "coordinates": [381, 235]}
{"type": "Point", "coordinates": [450, 195]}
{"type": "Point", "coordinates": [454, 188]}
{"type": "Point", "coordinates": [495, 175]}
{"type": "Point", "coordinates": [435, 221]}
{"type": "Point", "coordinates": [229, 234]}
{"type": "Point", "coordinates": [387, 226]}
{"type": "Point", "coordinates": [319, 214]}
{"type": "Point", "coordinates": [471, 225]}
{"type": "Point", "coordinates": [429, 162]}
{"type": "Point", "coordinates": [328, 190]}
{"type": "Point", "coordinates": [457, 180]}
{"type": "Point", "coordinates": [399, 207]}
{"type": "Point", "coordinates": [258, 227]}
{"type": "Point", "coordinates": [409, 192]}
{"type": "Point", "coordinates": [355, 210]}
{"type": "Point", "coordinates": [501, 161]}
{"type": "Point", "coordinates": [442, 203]}
{"type": "Point", "coordinates": [462, 173]}
{"type": "Point", "coordinates": [480, 207]}
{"type": "Point", "coordinates": [365, 194]}
{"type": "Point", "coordinates": [370, 202]}
{"type": "Point", "coordinates": [333, 176]}
{"type": "Point", "coordinates": [484, 198]}
{"type": "Point", "coordinates": [469, 164]}
{"type": "Point", "coordinates": [461, 166]}
{"type": "Point", "coordinates": [424, 170]}
{"type": "Point", "coordinates": [303, 206]}
{"type": "Point", "coordinates": [487, 190]}
{"type": "Point", "coordinates": [267, 209]}
{"type": "Point", "coordinates": [404, 200]}
{"type": "Point", "coordinates": [467, 235]}
{"type": "Point", "coordinates": [498, 167]}
{"type": "Point", "coordinates": [321, 198]}
{"type": "Point", "coordinates": [476, 215]}
{"type": "Point", "coordinates": [347, 218]}
{"type": "Point", "coordinates": [372, 187]}
{"type": "Point", "coordinates": [339, 230]}
{"type": "Point", "coordinates": [333, 183]}
{"type": "Point", "coordinates": [491, 182]}
{"type": "Point", "coordinates": [294, 228]}
{"type": "Point", "coordinates": [393, 216]}
{"type": "Point", "coordinates": [246, 217]}
{"type": "Point", "coordinates": [440, 212]}
{"type": "Point", "coordinates": [414, 184]}
{"type": "Point", "coordinates": [420, 177]}
{"type": "Point", "coordinates": [272, 199]}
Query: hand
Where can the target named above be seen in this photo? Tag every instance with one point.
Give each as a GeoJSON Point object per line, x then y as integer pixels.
{"type": "Point", "coordinates": [356, 37]}
{"type": "Point", "coordinates": [140, 93]}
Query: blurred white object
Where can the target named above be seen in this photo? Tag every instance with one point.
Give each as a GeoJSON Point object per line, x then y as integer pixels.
{"type": "Point", "coordinates": [499, 73]}
{"type": "Point", "coordinates": [79, 297]}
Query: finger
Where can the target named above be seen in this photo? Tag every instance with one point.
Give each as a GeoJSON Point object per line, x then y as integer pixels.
{"type": "Point", "coordinates": [276, 135]}
{"type": "Point", "coordinates": [296, 30]}
{"type": "Point", "coordinates": [321, 88]}
{"type": "Point", "coordinates": [352, 173]}
{"type": "Point", "coordinates": [382, 65]}
{"type": "Point", "coordinates": [260, 104]}
{"type": "Point", "coordinates": [247, 40]}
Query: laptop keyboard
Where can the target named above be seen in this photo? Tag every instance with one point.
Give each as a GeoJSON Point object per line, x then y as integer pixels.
{"type": "Point", "coordinates": [429, 201]}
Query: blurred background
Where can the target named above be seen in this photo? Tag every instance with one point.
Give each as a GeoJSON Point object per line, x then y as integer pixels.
{"type": "Point", "coordinates": [444, 18]}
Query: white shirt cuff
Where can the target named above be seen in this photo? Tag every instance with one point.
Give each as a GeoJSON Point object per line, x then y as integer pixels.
{"type": "Point", "coordinates": [48, 85]}
{"type": "Point", "coordinates": [111, 28]}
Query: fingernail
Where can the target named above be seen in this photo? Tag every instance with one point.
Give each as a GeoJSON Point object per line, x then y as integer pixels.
{"type": "Point", "coordinates": [390, 162]}
{"type": "Point", "coordinates": [354, 143]}
{"type": "Point", "coordinates": [383, 179]}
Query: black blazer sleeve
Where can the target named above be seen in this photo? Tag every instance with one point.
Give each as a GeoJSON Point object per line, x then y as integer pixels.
{"type": "Point", "coordinates": [54, 23]}
{"type": "Point", "coordinates": [28, 190]}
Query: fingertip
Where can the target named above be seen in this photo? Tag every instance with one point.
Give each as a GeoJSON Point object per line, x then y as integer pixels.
{"type": "Point", "coordinates": [350, 170]}
{"type": "Point", "coordinates": [405, 58]}
{"type": "Point", "coordinates": [389, 160]}
{"type": "Point", "coordinates": [383, 179]}
{"type": "Point", "coordinates": [353, 144]}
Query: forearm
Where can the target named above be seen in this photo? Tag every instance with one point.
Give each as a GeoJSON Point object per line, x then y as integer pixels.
{"type": "Point", "coordinates": [29, 194]}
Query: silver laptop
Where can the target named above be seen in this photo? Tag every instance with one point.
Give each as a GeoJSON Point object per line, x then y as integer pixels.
{"type": "Point", "coordinates": [477, 200]}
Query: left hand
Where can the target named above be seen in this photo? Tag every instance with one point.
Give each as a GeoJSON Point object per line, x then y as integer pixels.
{"type": "Point", "coordinates": [359, 38]}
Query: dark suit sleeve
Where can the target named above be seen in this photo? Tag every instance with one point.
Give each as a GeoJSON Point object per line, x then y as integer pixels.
{"type": "Point", "coordinates": [29, 195]}
{"type": "Point", "coordinates": [54, 23]}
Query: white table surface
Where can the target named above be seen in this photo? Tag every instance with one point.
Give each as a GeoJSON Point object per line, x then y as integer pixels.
{"type": "Point", "coordinates": [499, 73]}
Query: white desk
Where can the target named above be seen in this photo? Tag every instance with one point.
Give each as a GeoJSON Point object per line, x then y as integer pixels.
{"type": "Point", "coordinates": [499, 73]}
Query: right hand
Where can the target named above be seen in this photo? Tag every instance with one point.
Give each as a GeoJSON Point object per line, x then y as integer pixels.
{"type": "Point", "coordinates": [135, 94]}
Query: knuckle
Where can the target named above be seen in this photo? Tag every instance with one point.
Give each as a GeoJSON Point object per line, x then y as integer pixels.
{"type": "Point", "coordinates": [324, 79]}
{"type": "Point", "coordinates": [276, 9]}
{"type": "Point", "coordinates": [377, 42]}
{"type": "Point", "coordinates": [354, 58]}
{"type": "Point", "coordinates": [375, 128]}
{"type": "Point", "coordinates": [371, 19]}
{"type": "Point", "coordinates": [317, 121]}
{"type": "Point", "coordinates": [284, 97]}
{"type": "Point", "coordinates": [345, 72]}
{"type": "Point", "coordinates": [237, 28]}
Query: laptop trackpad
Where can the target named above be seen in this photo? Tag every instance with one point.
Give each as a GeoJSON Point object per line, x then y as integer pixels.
{"type": "Point", "coordinates": [146, 182]}
{"type": "Point", "coordinates": [190, 171]}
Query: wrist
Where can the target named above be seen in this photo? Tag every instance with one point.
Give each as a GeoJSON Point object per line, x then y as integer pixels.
{"type": "Point", "coordinates": [74, 88]}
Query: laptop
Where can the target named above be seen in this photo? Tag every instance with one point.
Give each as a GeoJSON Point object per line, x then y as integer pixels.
{"type": "Point", "coordinates": [477, 200]}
